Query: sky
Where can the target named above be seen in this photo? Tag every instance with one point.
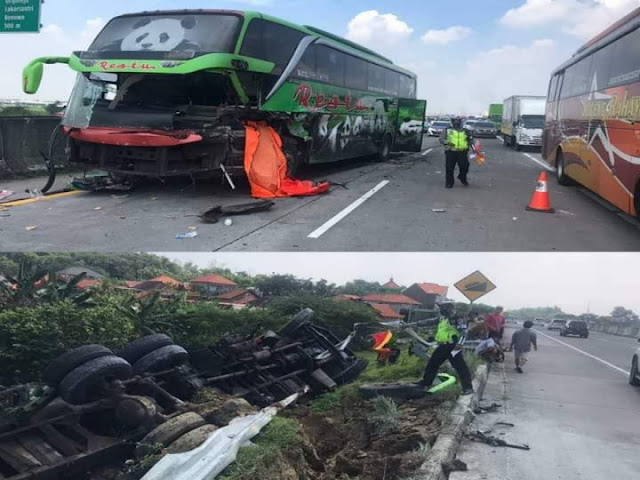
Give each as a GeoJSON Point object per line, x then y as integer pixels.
{"type": "Point", "coordinates": [467, 53]}
{"type": "Point", "coordinates": [575, 282]}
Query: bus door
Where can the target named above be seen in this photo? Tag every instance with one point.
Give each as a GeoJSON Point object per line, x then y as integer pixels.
{"type": "Point", "coordinates": [409, 125]}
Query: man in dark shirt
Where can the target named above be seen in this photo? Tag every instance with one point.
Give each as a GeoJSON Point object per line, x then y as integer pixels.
{"type": "Point", "coordinates": [521, 342]}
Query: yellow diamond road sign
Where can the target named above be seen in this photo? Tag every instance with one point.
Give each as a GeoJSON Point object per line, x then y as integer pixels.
{"type": "Point", "coordinates": [475, 286]}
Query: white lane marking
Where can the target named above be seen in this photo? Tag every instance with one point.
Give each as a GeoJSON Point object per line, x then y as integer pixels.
{"type": "Point", "coordinates": [539, 162]}
{"type": "Point", "coordinates": [427, 152]}
{"type": "Point", "coordinates": [621, 370]}
{"type": "Point", "coordinates": [333, 221]}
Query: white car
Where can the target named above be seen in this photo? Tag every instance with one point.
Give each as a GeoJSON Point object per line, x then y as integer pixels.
{"type": "Point", "coordinates": [410, 127]}
{"type": "Point", "coordinates": [436, 128]}
{"type": "Point", "coordinates": [556, 324]}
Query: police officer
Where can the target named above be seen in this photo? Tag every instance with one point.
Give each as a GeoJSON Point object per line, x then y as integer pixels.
{"type": "Point", "coordinates": [457, 141]}
{"type": "Point", "coordinates": [447, 336]}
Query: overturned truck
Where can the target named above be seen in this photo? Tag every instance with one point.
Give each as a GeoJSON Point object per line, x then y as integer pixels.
{"type": "Point", "coordinates": [173, 93]}
{"type": "Point", "coordinates": [97, 407]}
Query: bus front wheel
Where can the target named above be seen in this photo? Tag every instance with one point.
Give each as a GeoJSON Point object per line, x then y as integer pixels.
{"type": "Point", "coordinates": [561, 175]}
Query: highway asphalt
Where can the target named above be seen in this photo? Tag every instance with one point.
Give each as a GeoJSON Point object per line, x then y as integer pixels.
{"type": "Point", "coordinates": [400, 205]}
{"type": "Point", "coordinates": [575, 409]}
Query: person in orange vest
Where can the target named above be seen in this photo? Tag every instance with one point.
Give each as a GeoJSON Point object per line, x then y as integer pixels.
{"type": "Point", "coordinates": [457, 142]}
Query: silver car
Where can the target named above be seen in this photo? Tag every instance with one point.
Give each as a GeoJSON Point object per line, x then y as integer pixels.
{"type": "Point", "coordinates": [482, 128]}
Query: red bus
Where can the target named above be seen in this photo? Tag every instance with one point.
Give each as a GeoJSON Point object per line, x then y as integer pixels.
{"type": "Point", "coordinates": [592, 129]}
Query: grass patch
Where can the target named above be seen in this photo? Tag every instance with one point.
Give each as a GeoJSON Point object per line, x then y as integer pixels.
{"type": "Point", "coordinates": [407, 368]}
{"type": "Point", "coordinates": [334, 399]}
{"type": "Point", "coordinates": [280, 434]}
{"type": "Point", "coordinates": [384, 417]}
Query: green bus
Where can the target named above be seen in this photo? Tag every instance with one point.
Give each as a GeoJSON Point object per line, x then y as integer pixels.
{"type": "Point", "coordinates": [167, 93]}
{"type": "Point", "coordinates": [495, 114]}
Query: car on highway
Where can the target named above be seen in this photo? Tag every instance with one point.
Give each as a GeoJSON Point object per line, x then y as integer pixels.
{"type": "Point", "coordinates": [437, 127]}
{"type": "Point", "coordinates": [556, 324]}
{"type": "Point", "coordinates": [634, 373]}
{"type": "Point", "coordinates": [575, 327]}
{"type": "Point", "coordinates": [483, 128]}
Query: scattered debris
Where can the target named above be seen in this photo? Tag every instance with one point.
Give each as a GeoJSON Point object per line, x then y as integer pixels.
{"type": "Point", "coordinates": [506, 424]}
{"type": "Point", "coordinates": [482, 409]}
{"type": "Point", "coordinates": [120, 196]}
{"type": "Point", "coordinates": [567, 212]}
{"type": "Point", "coordinates": [214, 214]}
{"type": "Point", "coordinates": [193, 228]}
{"type": "Point", "coordinates": [479, 436]}
{"type": "Point", "coordinates": [514, 218]}
{"type": "Point", "coordinates": [454, 465]}
{"type": "Point", "coordinates": [182, 236]}
{"type": "Point", "coordinates": [438, 210]}
{"type": "Point", "coordinates": [97, 208]}
{"type": "Point", "coordinates": [31, 228]}
{"type": "Point", "coordinates": [228, 222]}
{"type": "Point", "coordinates": [5, 194]}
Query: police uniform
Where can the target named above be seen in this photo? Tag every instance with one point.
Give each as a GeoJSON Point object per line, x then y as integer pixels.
{"type": "Point", "coordinates": [447, 336]}
{"type": "Point", "coordinates": [457, 142]}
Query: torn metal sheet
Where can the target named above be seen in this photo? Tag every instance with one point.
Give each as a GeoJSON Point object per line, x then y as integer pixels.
{"type": "Point", "coordinates": [218, 451]}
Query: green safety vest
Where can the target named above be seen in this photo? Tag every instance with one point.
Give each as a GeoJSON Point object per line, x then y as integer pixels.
{"type": "Point", "coordinates": [457, 139]}
{"type": "Point", "coordinates": [446, 332]}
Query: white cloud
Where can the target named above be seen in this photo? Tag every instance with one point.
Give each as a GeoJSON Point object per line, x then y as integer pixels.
{"type": "Point", "coordinates": [374, 28]}
{"type": "Point", "coordinates": [582, 18]}
{"type": "Point", "coordinates": [448, 35]}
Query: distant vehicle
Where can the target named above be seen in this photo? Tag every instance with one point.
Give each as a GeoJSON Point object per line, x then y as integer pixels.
{"type": "Point", "coordinates": [592, 133]}
{"type": "Point", "coordinates": [575, 327]}
{"type": "Point", "coordinates": [556, 324]}
{"type": "Point", "coordinates": [634, 373]}
{"type": "Point", "coordinates": [483, 128]}
{"type": "Point", "coordinates": [410, 127]}
{"type": "Point", "coordinates": [523, 121]}
{"type": "Point", "coordinates": [437, 127]}
{"type": "Point", "coordinates": [495, 115]}
{"type": "Point", "coordinates": [539, 321]}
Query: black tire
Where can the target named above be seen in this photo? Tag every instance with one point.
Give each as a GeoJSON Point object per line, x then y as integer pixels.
{"type": "Point", "coordinates": [299, 319]}
{"type": "Point", "coordinates": [505, 141]}
{"type": "Point", "coordinates": [58, 368]}
{"type": "Point", "coordinates": [139, 348]}
{"type": "Point", "coordinates": [633, 373]}
{"type": "Point", "coordinates": [76, 387]}
{"type": "Point", "coordinates": [385, 148]}
{"type": "Point", "coordinates": [163, 358]}
{"type": "Point", "coordinates": [400, 391]}
{"type": "Point", "coordinates": [169, 431]}
{"type": "Point", "coordinates": [561, 176]}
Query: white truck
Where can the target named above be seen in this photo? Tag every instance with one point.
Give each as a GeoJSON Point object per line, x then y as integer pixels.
{"type": "Point", "coordinates": [523, 121]}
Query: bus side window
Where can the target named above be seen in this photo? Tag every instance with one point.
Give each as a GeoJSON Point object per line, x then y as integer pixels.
{"type": "Point", "coordinates": [307, 66]}
{"type": "Point", "coordinates": [376, 78]}
{"type": "Point", "coordinates": [580, 83]}
{"type": "Point", "coordinates": [270, 41]}
{"type": "Point", "coordinates": [601, 67]}
{"type": "Point", "coordinates": [407, 87]}
{"type": "Point", "coordinates": [391, 82]}
{"type": "Point", "coordinates": [355, 73]}
{"type": "Point", "coordinates": [553, 84]}
{"type": "Point", "coordinates": [569, 75]}
{"type": "Point", "coordinates": [625, 66]}
{"type": "Point", "coordinates": [330, 65]}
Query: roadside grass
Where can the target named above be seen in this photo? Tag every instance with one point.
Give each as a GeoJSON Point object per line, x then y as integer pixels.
{"type": "Point", "coordinates": [334, 399]}
{"type": "Point", "coordinates": [407, 368]}
{"type": "Point", "coordinates": [281, 433]}
{"type": "Point", "coordinates": [384, 417]}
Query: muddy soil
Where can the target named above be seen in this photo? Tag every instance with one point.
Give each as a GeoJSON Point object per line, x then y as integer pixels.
{"type": "Point", "coordinates": [343, 443]}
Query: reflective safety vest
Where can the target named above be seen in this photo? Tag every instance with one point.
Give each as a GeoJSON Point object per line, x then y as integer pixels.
{"type": "Point", "coordinates": [457, 139]}
{"type": "Point", "coordinates": [446, 332]}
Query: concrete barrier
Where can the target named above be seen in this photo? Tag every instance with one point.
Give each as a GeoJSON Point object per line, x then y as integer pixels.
{"type": "Point", "coordinates": [21, 141]}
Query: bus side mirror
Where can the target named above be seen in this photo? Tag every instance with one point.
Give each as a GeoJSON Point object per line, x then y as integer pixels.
{"type": "Point", "coordinates": [32, 73]}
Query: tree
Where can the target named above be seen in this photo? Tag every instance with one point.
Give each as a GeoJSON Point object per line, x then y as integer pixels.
{"type": "Point", "coordinates": [621, 314]}
{"type": "Point", "coordinates": [360, 288]}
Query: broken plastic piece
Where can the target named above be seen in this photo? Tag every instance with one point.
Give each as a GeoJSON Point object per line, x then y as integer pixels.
{"type": "Point", "coordinates": [214, 214]}
{"type": "Point", "coordinates": [5, 193]}
{"type": "Point", "coordinates": [192, 234]}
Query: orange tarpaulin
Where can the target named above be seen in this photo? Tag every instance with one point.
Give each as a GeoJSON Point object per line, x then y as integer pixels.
{"type": "Point", "coordinates": [266, 166]}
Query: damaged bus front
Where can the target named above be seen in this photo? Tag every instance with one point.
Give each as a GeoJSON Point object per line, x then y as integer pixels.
{"type": "Point", "coordinates": [170, 93]}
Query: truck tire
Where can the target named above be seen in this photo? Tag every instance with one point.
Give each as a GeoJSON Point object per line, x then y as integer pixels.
{"type": "Point", "coordinates": [352, 372]}
{"type": "Point", "coordinates": [76, 387]}
{"type": "Point", "coordinates": [139, 348]}
{"type": "Point", "coordinates": [168, 432]}
{"type": "Point", "coordinates": [58, 368]}
{"type": "Point", "coordinates": [192, 439]}
{"type": "Point", "coordinates": [163, 358]}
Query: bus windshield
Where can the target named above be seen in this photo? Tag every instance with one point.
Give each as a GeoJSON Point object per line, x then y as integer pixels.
{"type": "Point", "coordinates": [166, 36]}
{"type": "Point", "coordinates": [532, 121]}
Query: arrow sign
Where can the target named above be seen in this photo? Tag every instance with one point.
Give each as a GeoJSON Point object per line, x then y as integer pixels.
{"type": "Point", "coordinates": [475, 286]}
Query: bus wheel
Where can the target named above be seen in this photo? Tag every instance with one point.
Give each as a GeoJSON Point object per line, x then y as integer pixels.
{"type": "Point", "coordinates": [385, 148]}
{"type": "Point", "coordinates": [562, 177]}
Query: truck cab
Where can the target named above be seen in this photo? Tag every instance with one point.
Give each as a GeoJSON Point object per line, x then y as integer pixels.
{"type": "Point", "coordinates": [523, 121]}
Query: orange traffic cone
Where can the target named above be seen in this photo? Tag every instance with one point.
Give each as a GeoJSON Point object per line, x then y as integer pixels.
{"type": "Point", "coordinates": [540, 201]}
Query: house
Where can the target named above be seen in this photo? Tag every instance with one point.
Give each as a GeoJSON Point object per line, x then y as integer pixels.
{"type": "Point", "coordinates": [213, 285]}
{"type": "Point", "coordinates": [237, 299]}
{"type": "Point", "coordinates": [386, 313]}
{"type": "Point", "coordinates": [427, 294]}
{"type": "Point", "coordinates": [391, 285]}
{"type": "Point", "coordinates": [397, 301]}
{"type": "Point", "coordinates": [163, 282]}
{"type": "Point", "coordinates": [87, 283]}
{"type": "Point", "coordinates": [68, 273]}
{"type": "Point", "coordinates": [133, 284]}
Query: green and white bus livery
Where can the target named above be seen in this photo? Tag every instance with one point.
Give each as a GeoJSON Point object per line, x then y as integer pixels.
{"type": "Point", "coordinates": [167, 93]}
